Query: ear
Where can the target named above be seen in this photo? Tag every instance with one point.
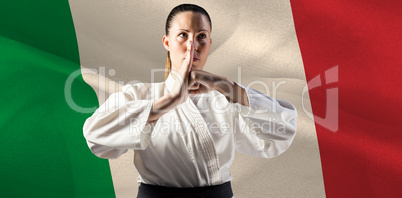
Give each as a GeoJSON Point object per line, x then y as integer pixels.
{"type": "Point", "coordinates": [165, 42]}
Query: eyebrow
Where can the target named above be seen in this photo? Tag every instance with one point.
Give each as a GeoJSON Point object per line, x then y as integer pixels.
{"type": "Point", "coordinates": [202, 30]}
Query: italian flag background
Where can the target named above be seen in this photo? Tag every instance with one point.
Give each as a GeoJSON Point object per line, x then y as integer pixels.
{"type": "Point", "coordinates": [339, 62]}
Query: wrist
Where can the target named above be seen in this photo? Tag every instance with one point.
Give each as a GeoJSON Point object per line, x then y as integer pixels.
{"type": "Point", "coordinates": [224, 86]}
{"type": "Point", "coordinates": [240, 95]}
{"type": "Point", "coordinates": [233, 92]}
{"type": "Point", "coordinates": [173, 100]}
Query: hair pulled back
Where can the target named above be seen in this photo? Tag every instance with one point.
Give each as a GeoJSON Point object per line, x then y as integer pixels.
{"type": "Point", "coordinates": [175, 11]}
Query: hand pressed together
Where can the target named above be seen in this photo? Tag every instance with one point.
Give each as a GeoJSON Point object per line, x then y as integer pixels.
{"type": "Point", "coordinates": [194, 81]}
{"type": "Point", "coordinates": [189, 82]}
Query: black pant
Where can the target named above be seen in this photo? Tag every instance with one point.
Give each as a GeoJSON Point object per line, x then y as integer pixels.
{"type": "Point", "coordinates": [152, 191]}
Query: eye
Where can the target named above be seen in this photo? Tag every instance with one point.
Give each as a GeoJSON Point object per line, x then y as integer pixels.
{"type": "Point", "coordinates": [202, 36]}
{"type": "Point", "coordinates": [183, 35]}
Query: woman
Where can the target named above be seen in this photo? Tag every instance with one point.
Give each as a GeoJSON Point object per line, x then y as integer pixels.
{"type": "Point", "coordinates": [184, 131]}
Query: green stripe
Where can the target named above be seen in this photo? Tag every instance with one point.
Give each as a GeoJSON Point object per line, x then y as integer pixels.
{"type": "Point", "coordinates": [43, 151]}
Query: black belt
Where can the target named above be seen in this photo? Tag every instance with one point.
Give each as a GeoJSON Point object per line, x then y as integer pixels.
{"type": "Point", "coordinates": [151, 191]}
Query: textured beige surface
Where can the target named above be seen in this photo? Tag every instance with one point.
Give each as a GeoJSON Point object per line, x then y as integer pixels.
{"type": "Point", "coordinates": [254, 43]}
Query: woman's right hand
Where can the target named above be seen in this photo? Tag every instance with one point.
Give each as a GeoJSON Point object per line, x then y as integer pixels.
{"type": "Point", "coordinates": [179, 91]}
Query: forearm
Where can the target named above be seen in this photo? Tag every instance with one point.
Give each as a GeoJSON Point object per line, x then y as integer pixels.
{"type": "Point", "coordinates": [161, 106]}
{"type": "Point", "coordinates": [233, 92]}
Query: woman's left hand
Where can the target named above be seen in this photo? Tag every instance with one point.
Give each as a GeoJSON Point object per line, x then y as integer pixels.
{"type": "Point", "coordinates": [202, 82]}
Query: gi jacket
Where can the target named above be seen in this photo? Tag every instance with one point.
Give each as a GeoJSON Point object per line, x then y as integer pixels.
{"type": "Point", "coordinates": [194, 144]}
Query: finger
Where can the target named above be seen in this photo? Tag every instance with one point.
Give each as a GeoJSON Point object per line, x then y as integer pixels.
{"type": "Point", "coordinates": [194, 86]}
{"type": "Point", "coordinates": [193, 76]}
{"type": "Point", "coordinates": [203, 89]}
{"type": "Point", "coordinates": [183, 72]}
{"type": "Point", "coordinates": [191, 79]}
{"type": "Point", "coordinates": [193, 92]}
{"type": "Point", "coordinates": [200, 90]}
{"type": "Point", "coordinates": [201, 77]}
{"type": "Point", "coordinates": [187, 64]}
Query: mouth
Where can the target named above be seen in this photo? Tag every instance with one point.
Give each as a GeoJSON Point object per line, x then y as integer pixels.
{"type": "Point", "coordinates": [195, 58]}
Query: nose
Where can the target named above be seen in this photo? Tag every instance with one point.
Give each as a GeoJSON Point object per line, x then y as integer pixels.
{"type": "Point", "coordinates": [196, 44]}
{"type": "Point", "coordinates": [195, 47]}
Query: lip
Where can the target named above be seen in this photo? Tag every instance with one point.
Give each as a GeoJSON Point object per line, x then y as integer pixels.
{"type": "Point", "coordinates": [195, 59]}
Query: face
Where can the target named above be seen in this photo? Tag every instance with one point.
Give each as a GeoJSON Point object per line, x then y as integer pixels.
{"type": "Point", "coordinates": [185, 27]}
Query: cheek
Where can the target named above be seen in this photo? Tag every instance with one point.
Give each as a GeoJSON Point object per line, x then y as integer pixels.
{"type": "Point", "coordinates": [177, 54]}
{"type": "Point", "coordinates": [205, 50]}
{"type": "Point", "coordinates": [178, 48]}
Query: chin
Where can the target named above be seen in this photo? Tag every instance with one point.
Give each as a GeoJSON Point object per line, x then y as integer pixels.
{"type": "Point", "coordinates": [197, 66]}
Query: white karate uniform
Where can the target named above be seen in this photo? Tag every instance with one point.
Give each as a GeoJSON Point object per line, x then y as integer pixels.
{"type": "Point", "coordinates": [194, 144]}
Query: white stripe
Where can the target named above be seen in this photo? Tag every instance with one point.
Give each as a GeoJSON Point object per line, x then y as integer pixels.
{"type": "Point", "coordinates": [207, 144]}
{"type": "Point", "coordinates": [259, 36]}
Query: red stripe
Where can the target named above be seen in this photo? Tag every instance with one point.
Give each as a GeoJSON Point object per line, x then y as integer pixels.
{"type": "Point", "coordinates": [364, 157]}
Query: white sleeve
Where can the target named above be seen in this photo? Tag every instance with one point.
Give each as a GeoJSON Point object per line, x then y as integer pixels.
{"type": "Point", "coordinates": [119, 124]}
{"type": "Point", "coordinates": [266, 128]}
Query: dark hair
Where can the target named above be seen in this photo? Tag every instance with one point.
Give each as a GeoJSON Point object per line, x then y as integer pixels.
{"type": "Point", "coordinates": [177, 10]}
{"type": "Point", "coordinates": [185, 8]}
